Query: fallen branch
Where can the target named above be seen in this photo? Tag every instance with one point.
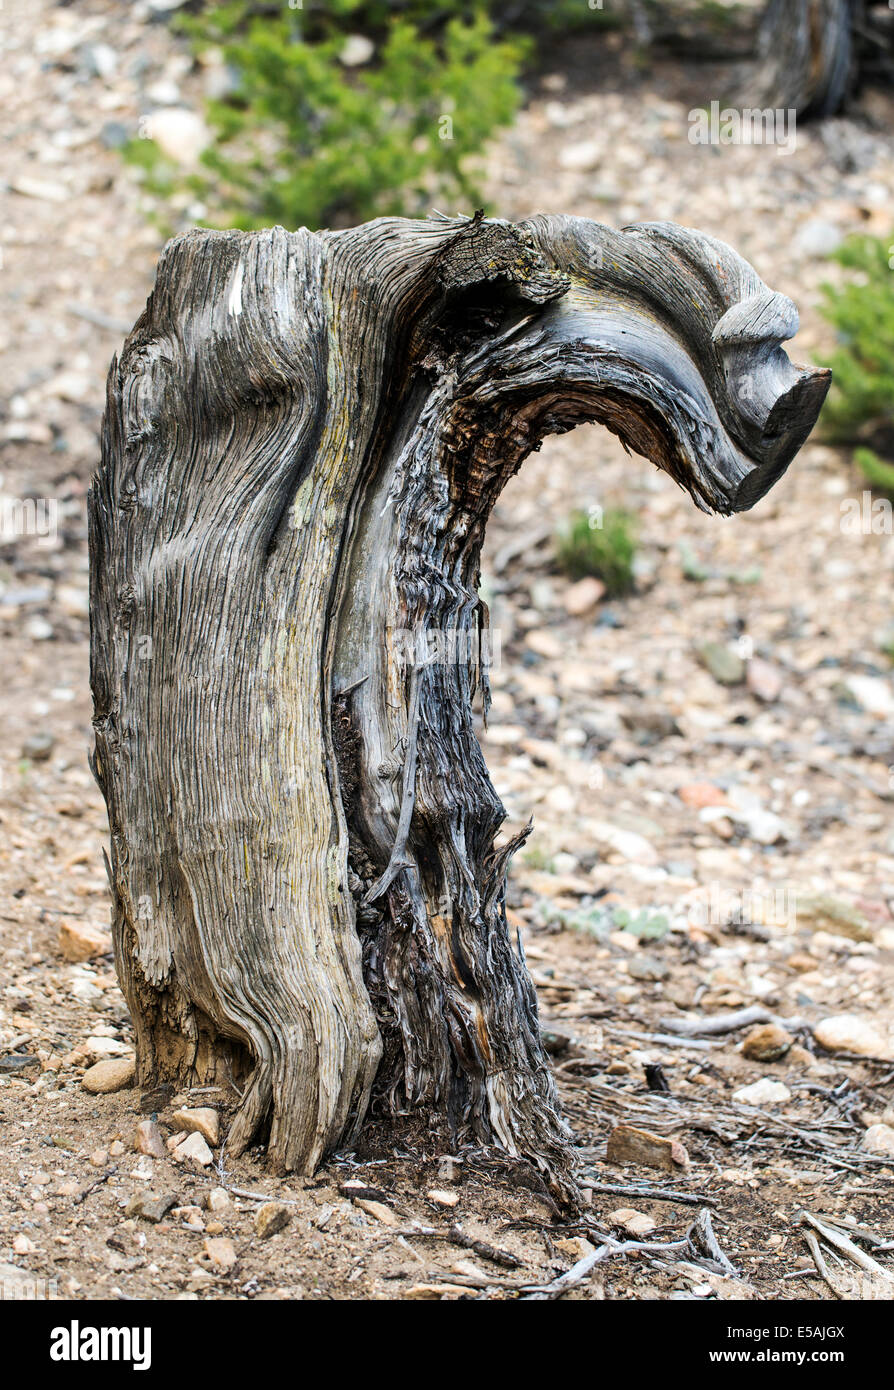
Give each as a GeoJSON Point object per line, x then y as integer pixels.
{"type": "Point", "coordinates": [668, 1039]}
{"type": "Point", "coordinates": [262, 1196]}
{"type": "Point", "coordinates": [578, 1272]}
{"type": "Point", "coordinates": [728, 1023]}
{"type": "Point", "coordinates": [456, 1236]}
{"type": "Point", "coordinates": [573, 1276]}
{"type": "Point", "coordinates": [822, 1268]}
{"type": "Point", "coordinates": [85, 1191]}
{"type": "Point", "coordinates": [702, 1237]}
{"type": "Point", "coordinates": [841, 1242]}
{"type": "Point", "coordinates": [649, 1194]}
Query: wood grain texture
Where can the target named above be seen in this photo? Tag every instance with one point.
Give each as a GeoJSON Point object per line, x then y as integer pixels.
{"type": "Point", "coordinates": [304, 437]}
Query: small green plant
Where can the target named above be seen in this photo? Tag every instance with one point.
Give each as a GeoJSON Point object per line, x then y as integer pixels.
{"type": "Point", "coordinates": [600, 921]}
{"type": "Point", "coordinates": [599, 543]}
{"type": "Point", "coordinates": [691, 565]}
{"type": "Point", "coordinates": [860, 408]}
{"type": "Point", "coordinates": [537, 858]}
{"type": "Point", "coordinates": [648, 926]}
{"type": "Point", "coordinates": [313, 135]}
{"type": "Point", "coordinates": [878, 474]}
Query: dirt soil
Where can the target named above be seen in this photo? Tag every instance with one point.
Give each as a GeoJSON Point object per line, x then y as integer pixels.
{"type": "Point", "coordinates": [700, 847]}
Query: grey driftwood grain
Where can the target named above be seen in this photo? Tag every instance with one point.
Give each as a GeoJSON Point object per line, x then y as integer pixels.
{"type": "Point", "coordinates": [304, 437]}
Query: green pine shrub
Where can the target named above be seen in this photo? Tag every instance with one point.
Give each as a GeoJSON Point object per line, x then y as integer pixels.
{"type": "Point", "coordinates": [860, 407]}
{"type": "Point", "coordinates": [304, 140]}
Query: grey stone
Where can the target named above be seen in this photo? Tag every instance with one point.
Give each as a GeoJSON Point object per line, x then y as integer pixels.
{"type": "Point", "coordinates": [151, 1206]}
{"type": "Point", "coordinates": [38, 747]}
{"type": "Point", "coordinates": [725, 665]}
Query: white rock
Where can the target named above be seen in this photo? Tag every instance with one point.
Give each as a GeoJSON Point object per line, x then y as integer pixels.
{"type": "Point", "coordinates": [27, 432]}
{"type": "Point", "coordinates": [21, 598]}
{"type": "Point", "coordinates": [505, 735]}
{"type": "Point", "coordinates": [879, 1139]}
{"type": "Point", "coordinates": [581, 598]}
{"type": "Point", "coordinates": [85, 990]}
{"type": "Point", "coordinates": [763, 826]}
{"type": "Point", "coordinates": [194, 1150]}
{"type": "Point", "coordinates": [180, 134]}
{"type": "Point", "coordinates": [101, 60]}
{"type": "Point", "coordinates": [816, 237]}
{"type": "Point", "coordinates": [108, 1047]}
{"type": "Point", "coordinates": [545, 643]}
{"type": "Point", "coordinates": [163, 93]}
{"type": "Point", "coordinates": [763, 1092]}
{"type": "Point", "coordinates": [561, 799]}
{"type": "Point", "coordinates": [764, 680]}
{"type": "Point", "coordinates": [873, 694]}
{"type": "Point", "coordinates": [74, 601]}
{"type": "Point", "coordinates": [442, 1198]}
{"type": "Point", "coordinates": [581, 157]}
{"type": "Point", "coordinates": [850, 1033]}
{"type": "Point", "coordinates": [41, 189]}
{"type": "Point", "coordinates": [760, 986]}
{"type": "Point", "coordinates": [74, 387]}
{"type": "Point", "coordinates": [636, 1223]}
{"type": "Point", "coordinates": [358, 49]}
{"type": "Point", "coordinates": [627, 843]}
{"type": "Point", "coordinates": [21, 1283]}
{"type": "Point", "coordinates": [750, 817]}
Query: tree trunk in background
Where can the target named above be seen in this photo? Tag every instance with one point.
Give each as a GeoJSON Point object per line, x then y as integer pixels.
{"type": "Point", "coordinates": [304, 437]}
{"type": "Point", "coordinates": [806, 59]}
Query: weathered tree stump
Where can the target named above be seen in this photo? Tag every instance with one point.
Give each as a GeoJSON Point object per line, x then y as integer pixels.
{"type": "Point", "coordinates": [806, 55]}
{"type": "Point", "coordinates": [304, 437]}
{"type": "Point", "coordinates": [814, 54]}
